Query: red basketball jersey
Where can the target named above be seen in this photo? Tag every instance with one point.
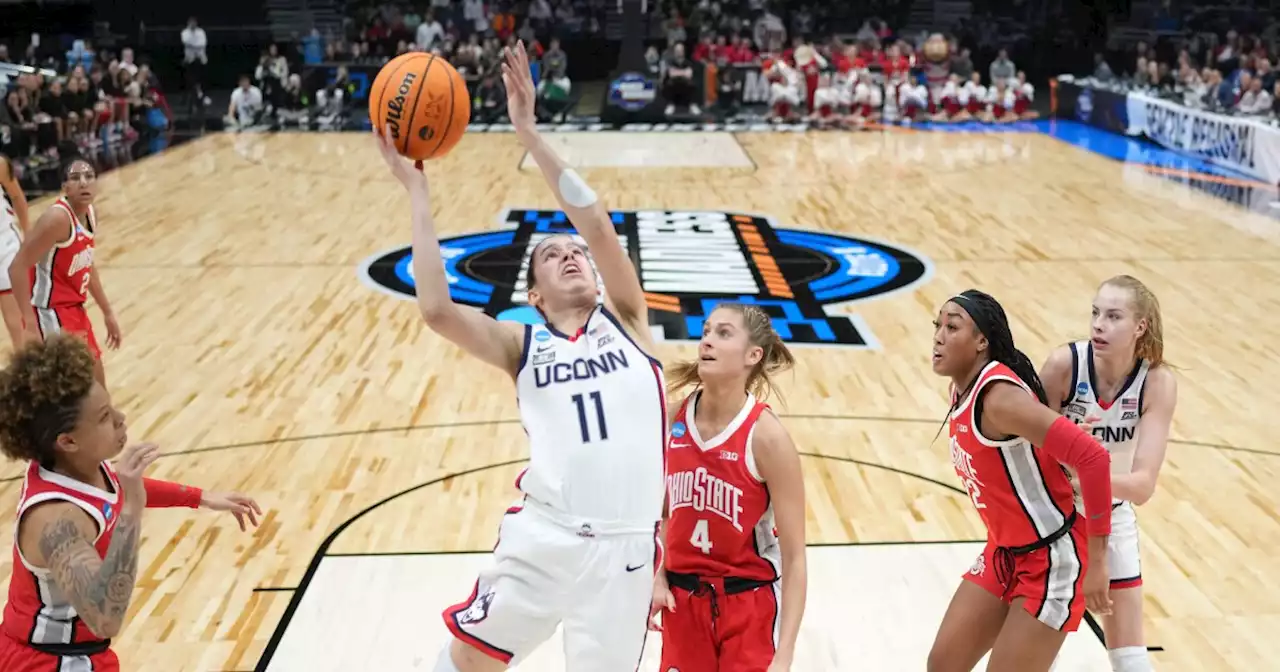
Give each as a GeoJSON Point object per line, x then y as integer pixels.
{"type": "Point", "coordinates": [720, 516]}
{"type": "Point", "coordinates": [1022, 494]}
{"type": "Point", "coordinates": [37, 612]}
{"type": "Point", "coordinates": [61, 278]}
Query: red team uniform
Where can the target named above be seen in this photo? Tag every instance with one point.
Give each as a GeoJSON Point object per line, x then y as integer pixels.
{"type": "Point", "coordinates": [40, 631]}
{"type": "Point", "coordinates": [1035, 539]}
{"type": "Point", "coordinates": [60, 281]}
{"type": "Point", "coordinates": [723, 560]}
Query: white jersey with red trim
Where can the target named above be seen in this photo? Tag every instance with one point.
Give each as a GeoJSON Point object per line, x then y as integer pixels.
{"type": "Point", "coordinates": [1115, 424]}
{"type": "Point", "coordinates": [593, 405]}
{"type": "Point", "coordinates": [37, 612]}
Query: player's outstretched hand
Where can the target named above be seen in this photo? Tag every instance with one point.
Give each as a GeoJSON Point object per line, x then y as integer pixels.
{"type": "Point", "coordinates": [518, 80]}
{"type": "Point", "coordinates": [241, 506]}
{"type": "Point", "coordinates": [410, 175]}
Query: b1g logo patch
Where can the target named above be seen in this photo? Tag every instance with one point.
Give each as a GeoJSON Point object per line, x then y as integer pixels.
{"type": "Point", "coordinates": [687, 262]}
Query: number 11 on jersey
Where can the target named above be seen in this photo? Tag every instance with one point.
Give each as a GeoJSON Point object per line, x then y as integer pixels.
{"type": "Point", "coordinates": [581, 403]}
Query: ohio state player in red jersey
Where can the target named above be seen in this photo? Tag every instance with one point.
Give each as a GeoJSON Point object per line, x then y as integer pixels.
{"type": "Point", "coordinates": [75, 554]}
{"type": "Point", "coordinates": [1008, 449]}
{"type": "Point", "coordinates": [53, 272]}
{"type": "Point", "coordinates": [732, 471]}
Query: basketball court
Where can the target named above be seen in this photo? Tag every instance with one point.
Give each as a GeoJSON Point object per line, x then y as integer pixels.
{"type": "Point", "coordinates": [270, 347]}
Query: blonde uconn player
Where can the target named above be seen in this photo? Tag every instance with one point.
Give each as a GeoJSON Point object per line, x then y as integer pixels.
{"type": "Point", "coordinates": [13, 225]}
{"type": "Point", "coordinates": [1116, 386]}
{"type": "Point", "coordinates": [579, 549]}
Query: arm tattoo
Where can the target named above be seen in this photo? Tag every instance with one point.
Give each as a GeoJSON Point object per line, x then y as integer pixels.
{"type": "Point", "coordinates": [98, 588]}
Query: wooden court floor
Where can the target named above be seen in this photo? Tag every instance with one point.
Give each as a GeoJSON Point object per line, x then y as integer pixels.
{"type": "Point", "coordinates": [260, 362]}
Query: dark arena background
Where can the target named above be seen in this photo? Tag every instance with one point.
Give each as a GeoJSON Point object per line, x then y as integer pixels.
{"type": "Point", "coordinates": [845, 166]}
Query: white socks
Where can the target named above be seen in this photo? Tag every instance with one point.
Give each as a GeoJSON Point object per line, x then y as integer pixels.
{"type": "Point", "coordinates": [1130, 659]}
{"type": "Point", "coordinates": [445, 662]}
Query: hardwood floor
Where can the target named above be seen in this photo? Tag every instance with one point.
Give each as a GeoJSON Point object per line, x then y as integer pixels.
{"type": "Point", "coordinates": [259, 360]}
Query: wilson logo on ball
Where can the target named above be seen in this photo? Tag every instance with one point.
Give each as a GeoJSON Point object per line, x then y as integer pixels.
{"type": "Point", "coordinates": [395, 107]}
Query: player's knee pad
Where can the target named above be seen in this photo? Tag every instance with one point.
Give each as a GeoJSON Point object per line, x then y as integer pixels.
{"type": "Point", "coordinates": [1130, 659]}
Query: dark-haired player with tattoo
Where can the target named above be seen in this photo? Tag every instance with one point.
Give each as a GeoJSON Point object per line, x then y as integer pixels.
{"type": "Point", "coordinates": [75, 555]}
{"type": "Point", "coordinates": [1030, 586]}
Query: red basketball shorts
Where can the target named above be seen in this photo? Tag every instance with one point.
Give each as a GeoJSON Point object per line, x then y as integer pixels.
{"type": "Point", "coordinates": [1050, 578]}
{"type": "Point", "coordinates": [18, 657]}
{"type": "Point", "coordinates": [71, 319]}
{"type": "Point", "coordinates": [726, 633]}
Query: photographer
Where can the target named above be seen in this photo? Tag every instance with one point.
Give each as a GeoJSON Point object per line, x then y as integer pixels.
{"type": "Point", "coordinates": [246, 106]}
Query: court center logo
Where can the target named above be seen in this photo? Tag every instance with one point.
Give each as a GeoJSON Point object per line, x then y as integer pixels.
{"type": "Point", "coordinates": [688, 262]}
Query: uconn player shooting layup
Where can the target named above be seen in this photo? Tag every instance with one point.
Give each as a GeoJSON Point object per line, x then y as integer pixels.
{"type": "Point", "coordinates": [1114, 386]}
{"type": "Point", "coordinates": [580, 548]}
{"type": "Point", "coordinates": [1030, 586]}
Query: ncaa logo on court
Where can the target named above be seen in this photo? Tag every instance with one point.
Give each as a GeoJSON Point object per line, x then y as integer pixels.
{"type": "Point", "coordinates": [687, 262]}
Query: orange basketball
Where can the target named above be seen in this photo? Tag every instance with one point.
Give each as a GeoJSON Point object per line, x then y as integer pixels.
{"type": "Point", "coordinates": [424, 101]}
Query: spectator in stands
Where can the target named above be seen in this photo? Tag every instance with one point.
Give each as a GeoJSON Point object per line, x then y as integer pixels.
{"type": "Point", "coordinates": [1101, 71]}
{"type": "Point", "coordinates": [1140, 77]}
{"type": "Point", "coordinates": [555, 63]}
{"type": "Point", "coordinates": [313, 46]}
{"type": "Point", "coordinates": [1255, 100]}
{"type": "Point", "coordinates": [1002, 68]}
{"type": "Point", "coordinates": [728, 89]}
{"type": "Point", "coordinates": [429, 33]}
{"type": "Point", "coordinates": [246, 106]}
{"type": "Point", "coordinates": [490, 101]}
{"type": "Point", "coordinates": [20, 120]}
{"type": "Point", "coordinates": [1262, 70]}
{"type": "Point", "coordinates": [271, 74]}
{"type": "Point", "coordinates": [293, 102]}
{"type": "Point", "coordinates": [677, 82]}
{"type": "Point", "coordinates": [473, 15]}
{"type": "Point", "coordinates": [126, 61]}
{"type": "Point", "coordinates": [194, 58]}
{"type": "Point", "coordinates": [53, 104]}
{"type": "Point", "coordinates": [504, 24]}
{"type": "Point", "coordinates": [769, 32]}
{"type": "Point", "coordinates": [80, 116]}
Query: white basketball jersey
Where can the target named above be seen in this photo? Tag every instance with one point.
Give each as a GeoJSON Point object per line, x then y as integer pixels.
{"type": "Point", "coordinates": [1116, 427]}
{"type": "Point", "coordinates": [594, 407]}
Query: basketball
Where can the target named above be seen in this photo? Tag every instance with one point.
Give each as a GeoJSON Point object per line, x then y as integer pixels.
{"type": "Point", "coordinates": [424, 101]}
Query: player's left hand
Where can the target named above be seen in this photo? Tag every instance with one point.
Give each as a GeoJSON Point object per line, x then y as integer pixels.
{"type": "Point", "coordinates": [113, 330]}
{"type": "Point", "coordinates": [518, 80]}
{"type": "Point", "coordinates": [240, 506]}
{"type": "Point", "coordinates": [780, 665]}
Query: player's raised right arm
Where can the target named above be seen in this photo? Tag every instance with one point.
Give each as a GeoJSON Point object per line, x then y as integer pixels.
{"type": "Point", "coordinates": [497, 343]}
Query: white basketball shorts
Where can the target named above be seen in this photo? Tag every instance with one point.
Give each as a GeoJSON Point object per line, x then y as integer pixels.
{"type": "Point", "coordinates": [1123, 563]}
{"type": "Point", "coordinates": [9, 244]}
{"type": "Point", "coordinates": [550, 570]}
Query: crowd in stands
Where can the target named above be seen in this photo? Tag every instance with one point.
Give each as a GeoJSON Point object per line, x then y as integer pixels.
{"type": "Point", "coordinates": [1231, 73]}
{"type": "Point", "coordinates": [73, 99]}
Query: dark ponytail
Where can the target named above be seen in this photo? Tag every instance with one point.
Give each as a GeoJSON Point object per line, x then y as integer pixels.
{"type": "Point", "coordinates": [988, 315]}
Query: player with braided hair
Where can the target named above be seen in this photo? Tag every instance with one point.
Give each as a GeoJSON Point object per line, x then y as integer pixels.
{"type": "Point", "coordinates": [1031, 584]}
{"type": "Point", "coordinates": [75, 554]}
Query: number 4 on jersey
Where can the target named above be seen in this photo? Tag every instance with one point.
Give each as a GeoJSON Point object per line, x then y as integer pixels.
{"type": "Point", "coordinates": [701, 538]}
